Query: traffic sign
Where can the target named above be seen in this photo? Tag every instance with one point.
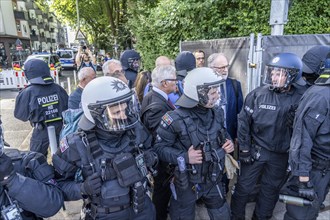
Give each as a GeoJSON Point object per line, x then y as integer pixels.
{"type": "Point", "coordinates": [19, 47]}
{"type": "Point", "coordinates": [80, 35]}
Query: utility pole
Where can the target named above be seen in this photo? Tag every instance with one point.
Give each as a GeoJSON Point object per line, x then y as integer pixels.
{"type": "Point", "coordinates": [278, 16]}
{"type": "Point", "coordinates": [78, 20]}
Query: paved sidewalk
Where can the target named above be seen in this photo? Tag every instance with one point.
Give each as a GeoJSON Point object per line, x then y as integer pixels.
{"type": "Point", "coordinates": [18, 133]}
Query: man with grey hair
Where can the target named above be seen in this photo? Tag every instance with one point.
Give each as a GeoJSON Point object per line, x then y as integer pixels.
{"type": "Point", "coordinates": [85, 75]}
{"type": "Point", "coordinates": [154, 105]}
{"type": "Point", "coordinates": [114, 68]}
{"type": "Point", "coordinates": [219, 63]}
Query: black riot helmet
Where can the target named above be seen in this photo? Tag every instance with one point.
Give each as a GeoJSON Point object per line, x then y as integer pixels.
{"type": "Point", "coordinates": [184, 62]}
{"type": "Point", "coordinates": [283, 70]}
{"type": "Point", "coordinates": [313, 62]}
{"type": "Point", "coordinates": [324, 78]}
{"type": "Point", "coordinates": [130, 60]}
{"type": "Point", "coordinates": [37, 72]}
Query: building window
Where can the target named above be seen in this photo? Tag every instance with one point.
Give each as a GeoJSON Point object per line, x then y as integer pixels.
{"type": "Point", "coordinates": [18, 26]}
{"type": "Point", "coordinates": [24, 28]}
{"type": "Point", "coordinates": [14, 5]}
{"type": "Point", "coordinates": [3, 56]}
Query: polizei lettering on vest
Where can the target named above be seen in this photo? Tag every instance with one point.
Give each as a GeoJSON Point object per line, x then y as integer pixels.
{"type": "Point", "coordinates": [268, 107]}
{"type": "Point", "coordinates": [47, 99]}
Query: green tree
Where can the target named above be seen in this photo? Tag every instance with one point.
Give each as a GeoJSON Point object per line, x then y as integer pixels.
{"type": "Point", "coordinates": [159, 28]}
{"type": "Point", "coordinates": [103, 21]}
{"type": "Point", "coordinates": [155, 27]}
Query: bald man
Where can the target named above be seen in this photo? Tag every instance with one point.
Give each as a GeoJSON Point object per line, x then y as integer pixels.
{"type": "Point", "coordinates": [85, 75]}
{"type": "Point", "coordinates": [162, 61]}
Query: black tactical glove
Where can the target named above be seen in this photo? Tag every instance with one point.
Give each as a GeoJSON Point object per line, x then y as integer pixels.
{"type": "Point", "coordinates": [6, 169]}
{"type": "Point", "coordinates": [306, 190]}
{"type": "Point", "coordinates": [290, 116]}
{"type": "Point", "coordinates": [92, 185]}
{"type": "Point", "coordinates": [246, 157]}
{"type": "Point", "coordinates": [151, 158]}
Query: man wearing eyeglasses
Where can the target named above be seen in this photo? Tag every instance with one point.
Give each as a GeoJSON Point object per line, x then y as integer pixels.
{"type": "Point", "coordinates": [219, 63]}
{"type": "Point", "coordinates": [200, 58]}
{"type": "Point", "coordinates": [154, 105]}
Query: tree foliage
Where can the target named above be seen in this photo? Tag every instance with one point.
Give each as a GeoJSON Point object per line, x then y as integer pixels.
{"type": "Point", "coordinates": [155, 27]}
{"type": "Point", "coordinates": [160, 28]}
{"type": "Point", "coordinates": [102, 21]}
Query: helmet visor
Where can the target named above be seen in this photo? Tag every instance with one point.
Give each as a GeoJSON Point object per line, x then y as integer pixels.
{"type": "Point", "coordinates": [276, 77]}
{"type": "Point", "coordinates": [211, 94]}
{"type": "Point", "coordinates": [116, 115]}
{"type": "Point", "coordinates": [134, 64]}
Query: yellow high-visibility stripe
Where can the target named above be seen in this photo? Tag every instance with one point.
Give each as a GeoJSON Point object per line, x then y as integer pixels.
{"type": "Point", "coordinates": [48, 104]}
{"type": "Point", "coordinates": [55, 119]}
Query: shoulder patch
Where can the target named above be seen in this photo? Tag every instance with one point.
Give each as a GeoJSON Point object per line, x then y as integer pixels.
{"type": "Point", "coordinates": [64, 144]}
{"type": "Point", "coordinates": [167, 119]}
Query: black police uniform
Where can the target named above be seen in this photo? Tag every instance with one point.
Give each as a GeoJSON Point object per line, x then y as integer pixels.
{"type": "Point", "coordinates": [154, 106]}
{"type": "Point", "coordinates": [310, 148]}
{"type": "Point", "coordinates": [130, 73]}
{"type": "Point", "coordinates": [42, 103]}
{"type": "Point", "coordinates": [96, 151]}
{"type": "Point", "coordinates": [263, 131]}
{"type": "Point", "coordinates": [32, 188]}
{"type": "Point", "coordinates": [177, 132]}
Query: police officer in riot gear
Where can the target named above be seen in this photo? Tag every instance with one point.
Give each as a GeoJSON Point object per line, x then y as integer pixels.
{"type": "Point", "coordinates": [194, 134]}
{"type": "Point", "coordinates": [313, 63]}
{"type": "Point", "coordinates": [26, 175]}
{"type": "Point", "coordinates": [130, 60]}
{"type": "Point", "coordinates": [309, 149]}
{"type": "Point", "coordinates": [264, 136]}
{"type": "Point", "coordinates": [42, 103]}
{"type": "Point", "coordinates": [107, 161]}
{"type": "Point", "coordinates": [184, 62]}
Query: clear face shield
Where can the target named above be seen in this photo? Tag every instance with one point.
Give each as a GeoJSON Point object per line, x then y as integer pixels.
{"type": "Point", "coordinates": [134, 64]}
{"type": "Point", "coordinates": [116, 115]}
{"type": "Point", "coordinates": [277, 77]}
{"type": "Point", "coordinates": [212, 94]}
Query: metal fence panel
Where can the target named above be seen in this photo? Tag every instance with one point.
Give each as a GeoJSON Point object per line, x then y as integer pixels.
{"type": "Point", "coordinates": [263, 49]}
{"type": "Point", "coordinates": [235, 49]}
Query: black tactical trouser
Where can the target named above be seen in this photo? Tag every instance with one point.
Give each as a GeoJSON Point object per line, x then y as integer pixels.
{"type": "Point", "coordinates": [272, 166]}
{"type": "Point", "coordinates": [39, 141]}
{"type": "Point", "coordinates": [184, 207]}
{"type": "Point", "coordinates": [321, 186]}
{"type": "Point", "coordinates": [162, 192]}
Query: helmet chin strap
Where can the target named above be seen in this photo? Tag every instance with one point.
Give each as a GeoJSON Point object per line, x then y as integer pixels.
{"type": "Point", "coordinates": [280, 89]}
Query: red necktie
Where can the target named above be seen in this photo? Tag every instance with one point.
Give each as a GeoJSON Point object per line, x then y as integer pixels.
{"type": "Point", "coordinates": [171, 104]}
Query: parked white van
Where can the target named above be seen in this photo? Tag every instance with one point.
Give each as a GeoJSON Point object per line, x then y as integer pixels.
{"type": "Point", "coordinates": [67, 58]}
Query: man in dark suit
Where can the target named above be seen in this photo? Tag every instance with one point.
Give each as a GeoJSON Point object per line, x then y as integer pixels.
{"type": "Point", "coordinates": [154, 106]}
{"type": "Point", "coordinates": [156, 103]}
{"type": "Point", "coordinates": [219, 63]}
